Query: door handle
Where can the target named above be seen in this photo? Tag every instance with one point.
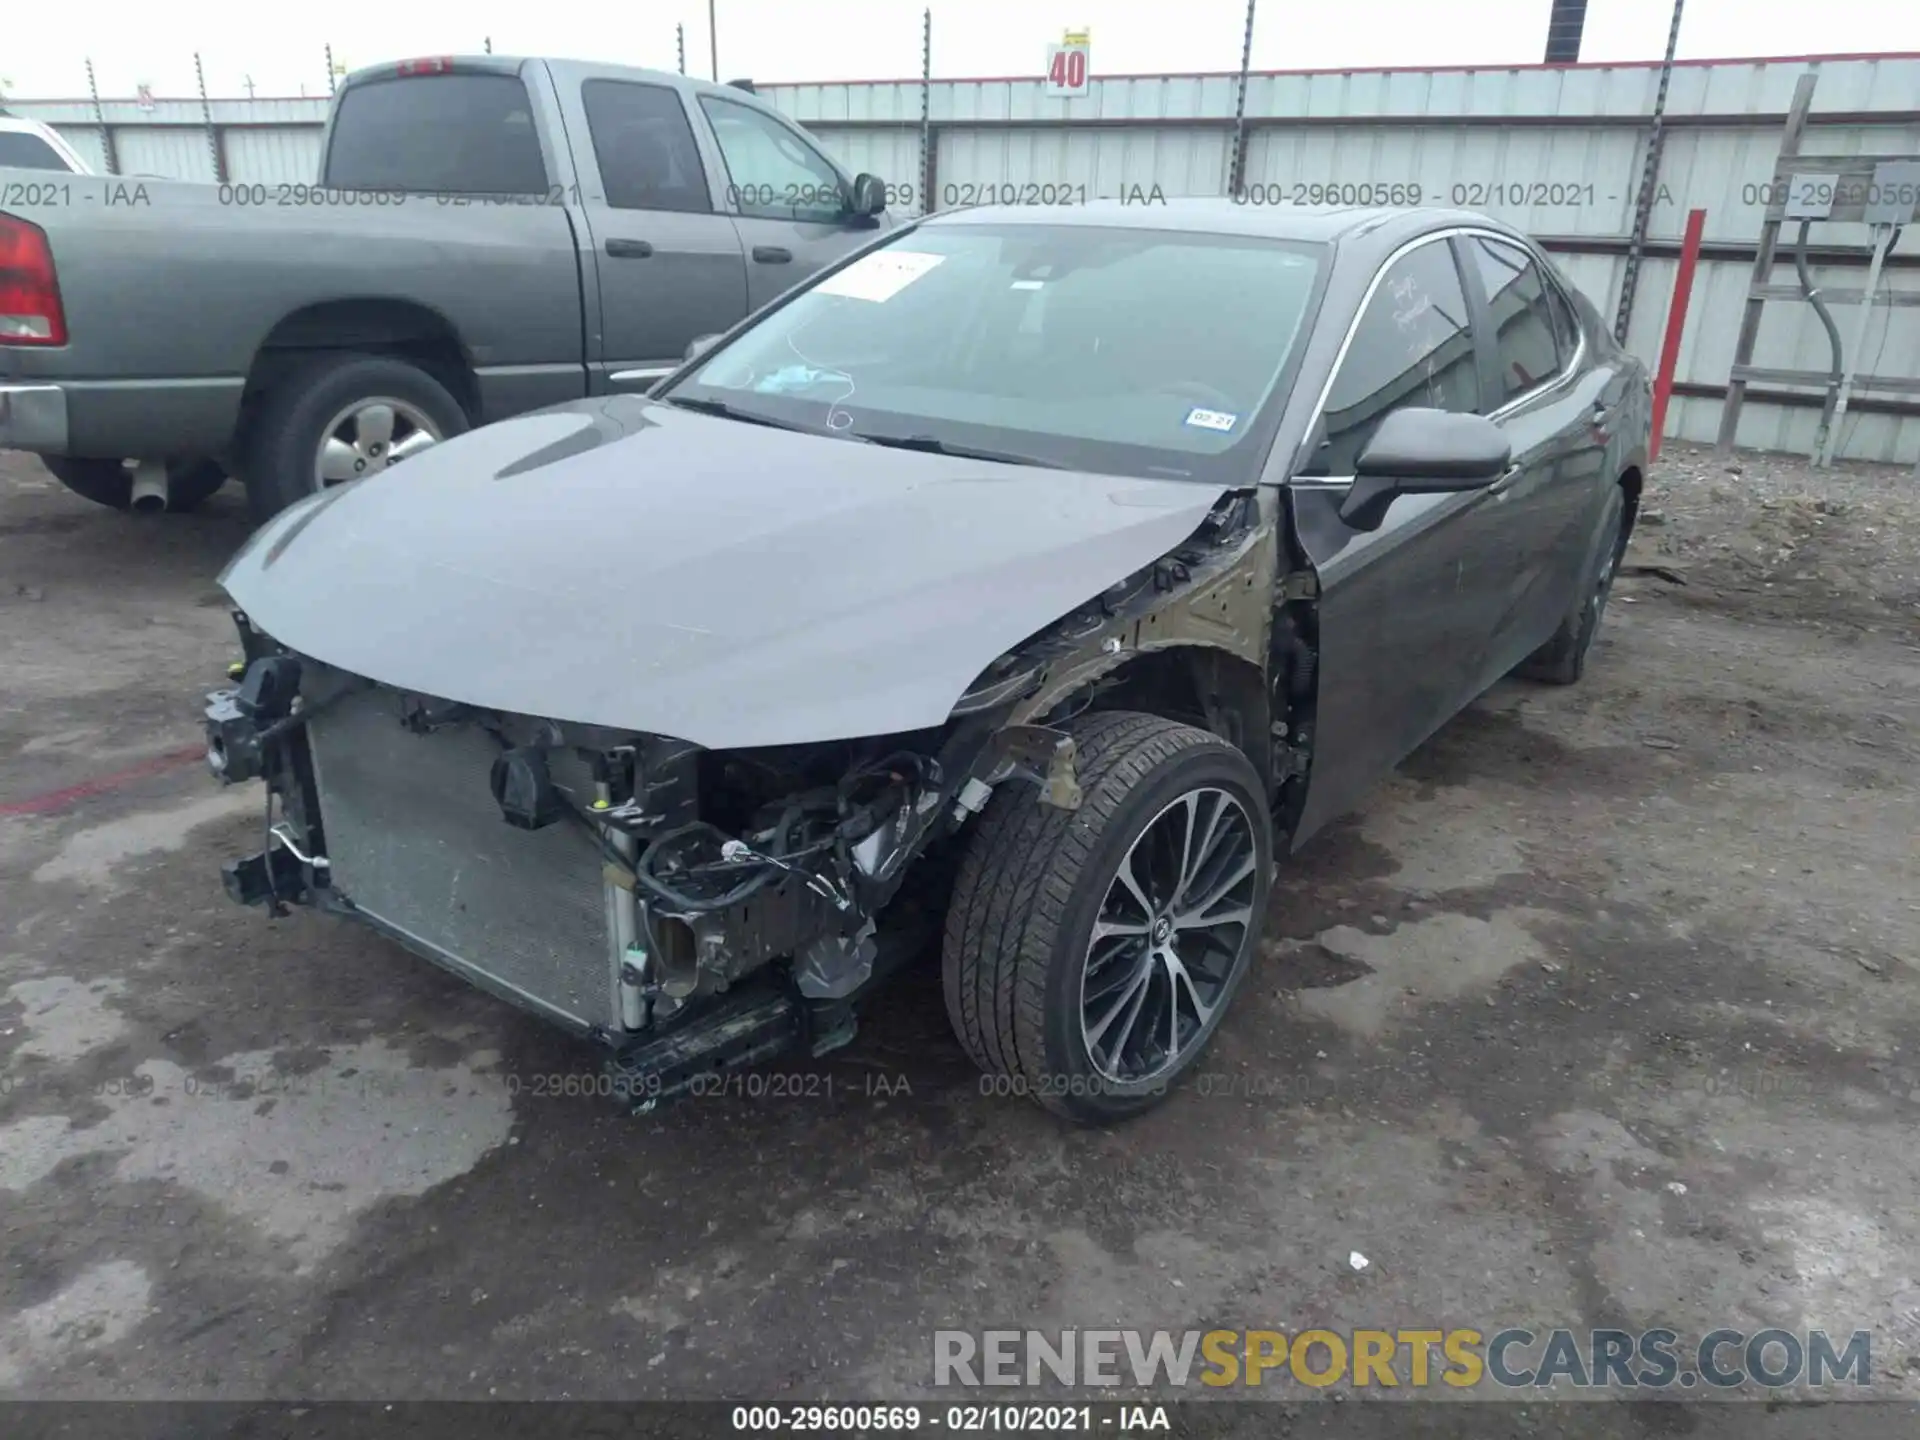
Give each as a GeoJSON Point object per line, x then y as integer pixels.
{"type": "Point", "coordinates": [772, 254]}
{"type": "Point", "coordinates": [629, 249]}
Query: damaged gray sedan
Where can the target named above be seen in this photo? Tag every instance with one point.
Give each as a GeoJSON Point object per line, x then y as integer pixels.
{"type": "Point", "coordinates": [1019, 589]}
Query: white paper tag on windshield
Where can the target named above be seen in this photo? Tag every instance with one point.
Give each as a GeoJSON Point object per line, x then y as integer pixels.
{"type": "Point", "coordinates": [1211, 419]}
{"type": "Point", "coordinates": [879, 276]}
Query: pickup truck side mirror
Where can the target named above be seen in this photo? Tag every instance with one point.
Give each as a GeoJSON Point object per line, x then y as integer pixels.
{"type": "Point", "coordinates": [1417, 451]}
{"type": "Point", "coordinates": [869, 196]}
{"type": "Point", "coordinates": [699, 346]}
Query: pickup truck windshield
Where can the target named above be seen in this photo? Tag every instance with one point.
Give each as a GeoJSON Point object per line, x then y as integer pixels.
{"type": "Point", "coordinates": [1122, 350]}
{"type": "Point", "coordinates": [457, 134]}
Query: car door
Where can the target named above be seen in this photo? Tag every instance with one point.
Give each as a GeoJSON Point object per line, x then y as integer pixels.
{"type": "Point", "coordinates": [670, 267]}
{"type": "Point", "coordinates": [1551, 406]}
{"type": "Point", "coordinates": [788, 201]}
{"type": "Point", "coordinates": [1404, 610]}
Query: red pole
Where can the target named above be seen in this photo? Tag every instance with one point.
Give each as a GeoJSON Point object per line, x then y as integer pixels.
{"type": "Point", "coordinates": [1676, 326]}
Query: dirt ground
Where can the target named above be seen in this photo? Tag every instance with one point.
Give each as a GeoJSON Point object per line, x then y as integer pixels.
{"type": "Point", "coordinates": [1604, 1011]}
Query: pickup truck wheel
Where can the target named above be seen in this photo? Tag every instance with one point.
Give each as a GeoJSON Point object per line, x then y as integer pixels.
{"type": "Point", "coordinates": [110, 483]}
{"type": "Point", "coordinates": [1090, 954]}
{"type": "Point", "coordinates": [340, 418]}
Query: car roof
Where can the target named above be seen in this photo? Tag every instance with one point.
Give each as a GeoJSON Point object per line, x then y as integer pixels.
{"type": "Point", "coordinates": [1353, 228]}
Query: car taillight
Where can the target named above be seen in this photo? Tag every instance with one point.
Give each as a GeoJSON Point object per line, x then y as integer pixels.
{"type": "Point", "coordinates": [30, 312]}
{"type": "Point", "coordinates": [439, 65]}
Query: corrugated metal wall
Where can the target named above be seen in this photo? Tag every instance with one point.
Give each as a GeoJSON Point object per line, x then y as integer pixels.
{"type": "Point", "coordinates": [1557, 151]}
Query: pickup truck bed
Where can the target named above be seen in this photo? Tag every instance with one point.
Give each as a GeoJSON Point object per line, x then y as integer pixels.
{"type": "Point", "coordinates": [466, 257]}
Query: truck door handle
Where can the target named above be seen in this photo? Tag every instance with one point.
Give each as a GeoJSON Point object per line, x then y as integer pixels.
{"type": "Point", "coordinates": [629, 249]}
{"type": "Point", "coordinates": [772, 254]}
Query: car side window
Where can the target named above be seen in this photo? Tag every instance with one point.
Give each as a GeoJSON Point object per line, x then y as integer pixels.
{"type": "Point", "coordinates": [22, 151]}
{"type": "Point", "coordinates": [644, 147]}
{"type": "Point", "coordinates": [1520, 306]}
{"type": "Point", "coordinates": [772, 173]}
{"type": "Point", "coordinates": [1412, 346]}
{"type": "Point", "coordinates": [1566, 323]}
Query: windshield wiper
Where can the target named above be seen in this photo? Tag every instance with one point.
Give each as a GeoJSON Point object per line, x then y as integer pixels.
{"type": "Point", "coordinates": [964, 452]}
{"type": "Point", "coordinates": [731, 412]}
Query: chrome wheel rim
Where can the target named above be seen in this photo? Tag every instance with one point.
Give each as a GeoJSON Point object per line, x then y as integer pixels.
{"type": "Point", "coordinates": [1168, 937]}
{"type": "Point", "coordinates": [367, 437]}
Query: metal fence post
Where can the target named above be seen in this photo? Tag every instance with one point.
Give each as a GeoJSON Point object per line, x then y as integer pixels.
{"type": "Point", "coordinates": [1237, 171]}
{"type": "Point", "coordinates": [1676, 327]}
{"type": "Point", "coordinates": [206, 118]}
{"type": "Point", "coordinates": [1649, 175]}
{"type": "Point", "coordinates": [926, 111]}
{"type": "Point", "coordinates": [108, 152]}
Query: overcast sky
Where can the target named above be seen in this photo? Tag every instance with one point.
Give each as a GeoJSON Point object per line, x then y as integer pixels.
{"type": "Point", "coordinates": [44, 47]}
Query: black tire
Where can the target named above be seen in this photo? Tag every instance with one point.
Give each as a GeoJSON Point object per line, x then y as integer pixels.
{"type": "Point", "coordinates": [1031, 884]}
{"type": "Point", "coordinates": [108, 482]}
{"type": "Point", "coordinates": [285, 437]}
{"type": "Point", "coordinates": [1563, 659]}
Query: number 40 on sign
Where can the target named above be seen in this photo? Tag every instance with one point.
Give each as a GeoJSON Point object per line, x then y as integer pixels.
{"type": "Point", "coordinates": [1067, 66]}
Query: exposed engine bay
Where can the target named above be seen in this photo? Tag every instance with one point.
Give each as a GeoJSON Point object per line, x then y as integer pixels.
{"type": "Point", "coordinates": [693, 908]}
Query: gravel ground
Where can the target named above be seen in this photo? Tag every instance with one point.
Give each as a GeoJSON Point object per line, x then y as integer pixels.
{"type": "Point", "coordinates": [1602, 1011]}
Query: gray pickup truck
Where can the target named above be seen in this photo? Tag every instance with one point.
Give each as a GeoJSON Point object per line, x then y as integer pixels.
{"type": "Point", "coordinates": [488, 236]}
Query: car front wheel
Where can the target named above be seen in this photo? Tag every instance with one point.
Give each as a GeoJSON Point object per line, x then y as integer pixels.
{"type": "Point", "coordinates": [1090, 954]}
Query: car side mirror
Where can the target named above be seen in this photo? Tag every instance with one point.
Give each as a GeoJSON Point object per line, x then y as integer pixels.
{"type": "Point", "coordinates": [1417, 451]}
{"type": "Point", "coordinates": [869, 196]}
{"type": "Point", "coordinates": [699, 346]}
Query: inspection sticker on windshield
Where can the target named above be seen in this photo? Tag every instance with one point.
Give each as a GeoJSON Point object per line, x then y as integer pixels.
{"type": "Point", "coordinates": [1212, 420]}
{"type": "Point", "coordinates": [881, 275]}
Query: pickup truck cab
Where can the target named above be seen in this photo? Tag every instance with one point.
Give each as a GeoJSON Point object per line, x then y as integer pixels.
{"type": "Point", "coordinates": [488, 236]}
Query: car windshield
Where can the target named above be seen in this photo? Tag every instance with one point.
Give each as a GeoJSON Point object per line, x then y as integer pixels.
{"type": "Point", "coordinates": [1123, 350]}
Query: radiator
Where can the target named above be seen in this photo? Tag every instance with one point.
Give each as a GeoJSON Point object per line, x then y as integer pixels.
{"type": "Point", "coordinates": [416, 842]}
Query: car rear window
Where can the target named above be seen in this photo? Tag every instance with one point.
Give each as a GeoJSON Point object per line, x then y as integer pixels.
{"type": "Point", "coordinates": [21, 151]}
{"type": "Point", "coordinates": [462, 134]}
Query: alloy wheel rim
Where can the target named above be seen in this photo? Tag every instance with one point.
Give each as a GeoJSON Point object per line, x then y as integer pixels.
{"type": "Point", "coordinates": [369, 436]}
{"type": "Point", "coordinates": [1168, 937]}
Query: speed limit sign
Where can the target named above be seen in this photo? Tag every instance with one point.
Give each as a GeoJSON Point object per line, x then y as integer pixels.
{"type": "Point", "coordinates": [1068, 66]}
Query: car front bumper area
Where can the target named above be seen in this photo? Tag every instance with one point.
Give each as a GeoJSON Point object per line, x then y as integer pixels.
{"type": "Point", "coordinates": [391, 814]}
{"type": "Point", "coordinates": [33, 418]}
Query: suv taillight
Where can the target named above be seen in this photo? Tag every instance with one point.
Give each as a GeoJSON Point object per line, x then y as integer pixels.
{"type": "Point", "coordinates": [30, 312]}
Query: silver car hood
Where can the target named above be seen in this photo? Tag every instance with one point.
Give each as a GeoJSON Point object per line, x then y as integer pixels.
{"type": "Point", "coordinates": [619, 562]}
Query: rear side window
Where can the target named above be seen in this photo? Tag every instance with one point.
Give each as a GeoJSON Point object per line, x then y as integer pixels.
{"type": "Point", "coordinates": [1411, 346]}
{"type": "Point", "coordinates": [22, 151]}
{"type": "Point", "coordinates": [644, 147]}
{"type": "Point", "coordinates": [1521, 305]}
{"type": "Point", "coordinates": [461, 134]}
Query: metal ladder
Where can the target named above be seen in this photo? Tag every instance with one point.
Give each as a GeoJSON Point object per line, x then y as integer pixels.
{"type": "Point", "coordinates": [1879, 191]}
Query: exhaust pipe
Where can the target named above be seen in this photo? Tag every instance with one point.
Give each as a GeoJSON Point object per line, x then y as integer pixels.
{"type": "Point", "coordinates": [150, 489]}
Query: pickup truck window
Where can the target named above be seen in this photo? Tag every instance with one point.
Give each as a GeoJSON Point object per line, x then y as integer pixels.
{"type": "Point", "coordinates": [773, 173]}
{"type": "Point", "coordinates": [644, 147]}
{"type": "Point", "coordinates": [454, 134]}
{"type": "Point", "coordinates": [20, 151]}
